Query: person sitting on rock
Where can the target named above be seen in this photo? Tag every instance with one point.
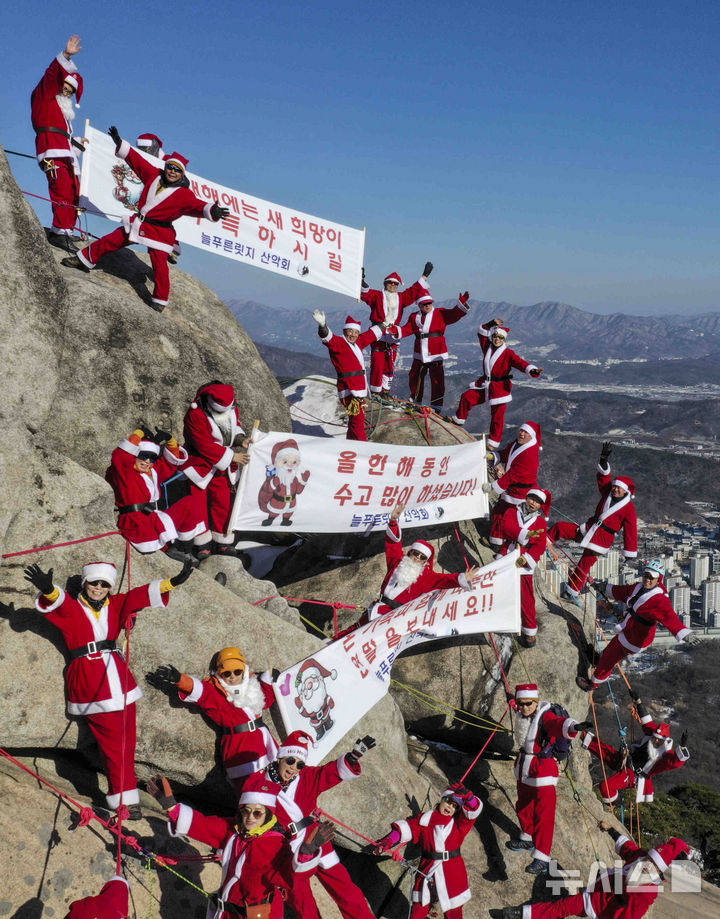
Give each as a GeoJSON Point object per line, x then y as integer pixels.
{"type": "Point", "coordinates": [409, 574]}
{"type": "Point", "coordinates": [100, 686]}
{"type": "Point", "coordinates": [259, 869]}
{"type": "Point", "coordinates": [647, 603]}
{"type": "Point", "coordinates": [494, 386]}
{"type": "Point", "coordinates": [635, 766]}
{"type": "Point", "coordinates": [516, 469]}
{"type": "Point", "coordinates": [158, 507]}
{"type": "Point", "coordinates": [166, 197]}
{"type": "Point", "coordinates": [628, 891]}
{"type": "Point", "coordinates": [525, 527]}
{"type": "Point", "coordinates": [543, 733]}
{"type": "Point", "coordinates": [292, 787]}
{"type": "Point", "coordinates": [234, 698]}
{"type": "Point", "coordinates": [111, 903]}
{"type": "Point", "coordinates": [442, 875]}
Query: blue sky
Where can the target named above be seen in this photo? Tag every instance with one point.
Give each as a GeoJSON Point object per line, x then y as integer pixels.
{"type": "Point", "coordinates": [542, 151]}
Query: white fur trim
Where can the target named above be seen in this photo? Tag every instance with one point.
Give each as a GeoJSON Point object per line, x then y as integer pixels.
{"type": "Point", "coordinates": [621, 841]}
{"type": "Point", "coordinates": [326, 338]}
{"type": "Point", "coordinates": [225, 460]}
{"type": "Point", "coordinates": [344, 770]}
{"type": "Point", "coordinates": [391, 535]}
{"type": "Point", "coordinates": [173, 459]}
{"type": "Point", "coordinates": [658, 859]}
{"type": "Point", "coordinates": [529, 368]}
{"type": "Point", "coordinates": [422, 549]}
{"type": "Point", "coordinates": [568, 728]}
{"type": "Point", "coordinates": [463, 581]}
{"type": "Point", "coordinates": [257, 797]}
{"type": "Point", "coordinates": [118, 877]}
{"type": "Point", "coordinates": [404, 828]}
{"type": "Point", "coordinates": [54, 605]}
{"type": "Point", "coordinates": [156, 598]}
{"type": "Point", "coordinates": [682, 753]}
{"type": "Point", "coordinates": [181, 826]}
{"type": "Point", "coordinates": [202, 481]}
{"type": "Point", "coordinates": [196, 691]}
{"type": "Point", "coordinates": [84, 259]}
{"type": "Point", "coordinates": [69, 66]}
{"type": "Point", "coordinates": [113, 704]}
{"type": "Point", "coordinates": [541, 856]}
{"type": "Point", "coordinates": [629, 553]}
{"type": "Point", "coordinates": [129, 447]}
{"type": "Point", "coordinates": [131, 796]}
{"type": "Point", "coordinates": [207, 209]}
{"type": "Point", "coordinates": [103, 571]}
{"type": "Point", "coordinates": [682, 633]}
{"type": "Point", "coordinates": [473, 812]}
{"type": "Point", "coordinates": [123, 150]}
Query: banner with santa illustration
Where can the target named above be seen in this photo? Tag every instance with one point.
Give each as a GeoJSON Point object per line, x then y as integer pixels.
{"type": "Point", "coordinates": [323, 485]}
{"type": "Point", "coordinates": [328, 693]}
{"type": "Point", "coordinates": [256, 232]}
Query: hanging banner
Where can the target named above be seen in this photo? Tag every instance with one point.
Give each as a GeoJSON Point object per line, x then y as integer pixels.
{"type": "Point", "coordinates": [325, 485]}
{"type": "Point", "coordinates": [328, 693]}
{"type": "Point", "coordinates": [256, 232]}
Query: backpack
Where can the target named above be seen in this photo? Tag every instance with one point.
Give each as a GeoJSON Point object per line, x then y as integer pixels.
{"type": "Point", "coordinates": [559, 747]}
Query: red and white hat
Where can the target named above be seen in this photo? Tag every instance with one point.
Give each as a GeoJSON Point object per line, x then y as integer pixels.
{"type": "Point", "coordinates": [666, 853]}
{"type": "Point", "coordinates": [424, 548]}
{"type": "Point", "coordinates": [527, 691]}
{"type": "Point", "coordinates": [148, 446]}
{"type": "Point", "coordinates": [393, 277]}
{"type": "Point", "coordinates": [624, 481]}
{"type": "Point", "coordinates": [295, 744]}
{"type": "Point", "coordinates": [99, 571]}
{"type": "Point", "coordinates": [424, 298]}
{"type": "Point", "coordinates": [283, 447]}
{"type": "Point", "coordinates": [501, 330]}
{"type": "Point", "coordinates": [76, 81]}
{"type": "Point", "coordinates": [543, 496]}
{"type": "Point", "coordinates": [147, 140]}
{"type": "Point", "coordinates": [176, 159]}
{"type": "Point", "coordinates": [220, 396]}
{"type": "Point", "coordinates": [258, 789]}
{"type": "Point", "coordinates": [351, 323]}
{"type": "Point", "coordinates": [662, 731]}
{"type": "Point", "coordinates": [534, 430]}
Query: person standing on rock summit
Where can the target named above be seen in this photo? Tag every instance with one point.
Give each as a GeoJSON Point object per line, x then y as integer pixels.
{"type": "Point", "coordinates": [166, 197]}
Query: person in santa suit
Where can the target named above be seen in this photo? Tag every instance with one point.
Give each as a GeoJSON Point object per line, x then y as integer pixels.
{"type": "Point", "coordinates": [647, 603]}
{"type": "Point", "coordinates": [258, 866]}
{"type": "Point", "coordinates": [347, 359]}
{"type": "Point", "coordinates": [166, 197]}
{"type": "Point", "coordinates": [538, 726]}
{"type": "Point", "coordinates": [409, 574]}
{"type": "Point", "coordinates": [152, 517]}
{"type": "Point", "coordinates": [387, 306]}
{"type": "Point", "coordinates": [151, 145]}
{"type": "Point", "coordinates": [52, 114]}
{"type": "Point", "coordinates": [428, 326]}
{"type": "Point", "coordinates": [615, 511]}
{"type": "Point", "coordinates": [111, 903]}
{"type": "Point", "coordinates": [628, 891]}
{"type": "Point", "coordinates": [99, 684]}
{"type": "Point", "coordinates": [284, 481]}
{"type": "Point", "coordinates": [524, 526]}
{"type": "Point", "coordinates": [234, 698]}
{"type": "Point", "coordinates": [494, 386]}
{"type": "Point", "coordinates": [516, 469]}
{"type": "Point", "coordinates": [293, 788]}
{"type": "Point", "coordinates": [635, 766]}
{"type": "Point", "coordinates": [442, 876]}
{"type": "Point", "coordinates": [213, 438]}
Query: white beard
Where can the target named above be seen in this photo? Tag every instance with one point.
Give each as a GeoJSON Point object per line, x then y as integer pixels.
{"type": "Point", "coordinates": [224, 420]}
{"type": "Point", "coordinates": [66, 106]}
{"type": "Point", "coordinates": [406, 573]}
{"type": "Point", "coordinates": [287, 475]}
{"type": "Point", "coordinates": [246, 694]}
{"type": "Point", "coordinates": [643, 872]}
{"type": "Point", "coordinates": [392, 301]}
{"type": "Point", "coordinates": [520, 731]}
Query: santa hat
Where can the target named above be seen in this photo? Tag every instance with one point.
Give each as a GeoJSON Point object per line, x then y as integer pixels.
{"type": "Point", "coordinates": [425, 298]}
{"type": "Point", "coordinates": [351, 323]}
{"type": "Point", "coordinates": [666, 853]}
{"type": "Point", "coordinates": [662, 731]}
{"type": "Point", "coordinates": [527, 691]}
{"type": "Point", "coordinates": [99, 571]}
{"type": "Point", "coordinates": [534, 430]}
{"type": "Point", "coordinates": [76, 81]}
{"type": "Point", "coordinates": [500, 330]}
{"type": "Point", "coordinates": [544, 497]}
{"type": "Point", "coordinates": [283, 447]}
{"type": "Point", "coordinates": [624, 481]}
{"type": "Point", "coordinates": [176, 159]}
{"type": "Point", "coordinates": [393, 277]}
{"type": "Point", "coordinates": [148, 446]}
{"type": "Point", "coordinates": [310, 668]}
{"type": "Point", "coordinates": [424, 548]}
{"type": "Point", "coordinates": [220, 396]}
{"type": "Point", "coordinates": [258, 789]}
{"type": "Point", "coordinates": [296, 744]}
{"type": "Point", "coordinates": [147, 140]}
{"type": "Point", "coordinates": [227, 656]}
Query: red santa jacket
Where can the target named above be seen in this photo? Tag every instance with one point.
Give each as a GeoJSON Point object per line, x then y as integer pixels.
{"type": "Point", "coordinates": [429, 331]}
{"type": "Point", "coordinates": [429, 579]}
{"type": "Point", "coordinates": [45, 113]}
{"type": "Point", "coordinates": [388, 307]}
{"type": "Point", "coordinates": [611, 516]}
{"type": "Point", "coordinates": [111, 903]}
{"type": "Point", "coordinates": [521, 464]}
{"type": "Point", "coordinates": [243, 752]}
{"type": "Point", "coordinates": [436, 833]}
{"type": "Point", "coordinates": [534, 766]}
{"type": "Point", "coordinates": [515, 526]}
{"type": "Point", "coordinates": [253, 867]}
{"type": "Point", "coordinates": [348, 361]}
{"type": "Point", "coordinates": [209, 454]}
{"type": "Point", "coordinates": [645, 609]}
{"type": "Point", "coordinates": [166, 205]}
{"type": "Point", "coordinates": [102, 682]}
{"type": "Point", "coordinates": [497, 364]}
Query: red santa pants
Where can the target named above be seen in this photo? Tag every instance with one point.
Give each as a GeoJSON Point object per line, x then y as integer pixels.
{"type": "Point", "coordinates": [382, 366]}
{"type": "Point", "coordinates": [496, 514]}
{"type": "Point", "coordinates": [613, 654]}
{"type": "Point", "coordinates": [349, 898]}
{"type": "Point", "coordinates": [418, 372]}
{"type": "Point", "coordinates": [578, 575]}
{"type": "Point", "coordinates": [472, 397]}
{"type": "Point", "coordinates": [419, 911]}
{"type": "Point", "coordinates": [118, 239]}
{"type": "Point", "coordinates": [604, 905]}
{"type": "Point", "coordinates": [613, 784]}
{"type": "Point", "coordinates": [535, 808]}
{"type": "Point", "coordinates": [356, 423]}
{"type": "Point", "coordinates": [527, 605]}
{"type": "Point", "coordinates": [118, 756]}
{"type": "Point", "coordinates": [220, 501]}
{"type": "Point", "coordinates": [64, 191]}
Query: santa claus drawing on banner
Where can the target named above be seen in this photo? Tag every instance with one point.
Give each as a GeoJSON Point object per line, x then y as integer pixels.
{"type": "Point", "coordinates": [313, 700]}
{"type": "Point", "coordinates": [283, 483]}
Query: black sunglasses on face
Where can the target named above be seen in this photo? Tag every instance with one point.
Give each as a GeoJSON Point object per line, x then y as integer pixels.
{"type": "Point", "coordinates": [227, 673]}
{"type": "Point", "coordinates": [291, 761]}
{"type": "Point", "coordinates": [100, 584]}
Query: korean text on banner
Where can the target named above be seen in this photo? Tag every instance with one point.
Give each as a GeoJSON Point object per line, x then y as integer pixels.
{"type": "Point", "coordinates": [256, 232]}
{"type": "Point", "coordinates": [328, 693]}
{"type": "Point", "coordinates": [324, 485]}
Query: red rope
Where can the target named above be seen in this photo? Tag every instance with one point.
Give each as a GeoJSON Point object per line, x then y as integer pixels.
{"type": "Point", "coordinates": [344, 825]}
{"type": "Point", "coordinates": [61, 545]}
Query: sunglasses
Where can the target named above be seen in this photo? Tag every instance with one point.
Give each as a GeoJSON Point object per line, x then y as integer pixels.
{"type": "Point", "coordinates": [171, 168]}
{"type": "Point", "coordinates": [291, 761]}
{"type": "Point", "coordinates": [413, 553]}
{"type": "Point", "coordinates": [150, 457]}
{"type": "Point", "coordinates": [252, 812]}
{"type": "Point", "coordinates": [100, 584]}
{"type": "Point", "coordinates": [651, 575]}
{"type": "Point", "coordinates": [525, 704]}
{"type": "Point", "coordinates": [227, 673]}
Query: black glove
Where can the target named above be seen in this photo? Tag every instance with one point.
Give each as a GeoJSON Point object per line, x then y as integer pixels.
{"type": "Point", "coordinates": [536, 373]}
{"type": "Point", "coordinates": [605, 452]}
{"type": "Point", "coordinates": [115, 134]}
{"type": "Point", "coordinates": [634, 694]}
{"type": "Point", "coordinates": [217, 212]}
{"type": "Point", "coordinates": [317, 836]}
{"type": "Point", "coordinates": [163, 676]}
{"type": "Point", "coordinates": [161, 437]}
{"type": "Point", "coordinates": [427, 269]}
{"type": "Point", "coordinates": [584, 726]}
{"type": "Point", "coordinates": [683, 739]}
{"type": "Point", "coordinates": [362, 745]}
{"type": "Point", "coordinates": [187, 569]}
{"type": "Point", "coordinates": [147, 433]}
{"type": "Point", "coordinates": [600, 586]}
{"type": "Point", "coordinates": [43, 580]}
{"type": "Point", "coordinates": [159, 788]}
{"type": "Point", "coordinates": [274, 673]}
{"type": "Point", "coordinates": [362, 270]}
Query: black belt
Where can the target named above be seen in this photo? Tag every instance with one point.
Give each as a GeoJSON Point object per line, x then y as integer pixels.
{"type": "Point", "coordinates": [94, 647]}
{"type": "Point", "coordinates": [143, 508]}
{"type": "Point", "coordinates": [521, 485]}
{"type": "Point", "coordinates": [66, 134]}
{"type": "Point", "coordinates": [155, 223]}
{"type": "Point", "coordinates": [298, 826]}
{"type": "Point", "coordinates": [428, 334]}
{"type": "Point", "coordinates": [604, 526]}
{"type": "Point", "coordinates": [442, 856]}
{"type": "Point", "coordinates": [235, 908]}
{"type": "Point", "coordinates": [351, 373]}
{"type": "Point", "coordinates": [641, 618]}
{"type": "Point", "coordinates": [383, 345]}
{"type": "Point", "coordinates": [242, 728]}
{"type": "Point", "coordinates": [393, 604]}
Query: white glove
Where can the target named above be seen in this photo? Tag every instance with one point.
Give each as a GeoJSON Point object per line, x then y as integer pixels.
{"type": "Point", "coordinates": [487, 487]}
{"type": "Point", "coordinates": [692, 639]}
{"type": "Point", "coordinates": [319, 317]}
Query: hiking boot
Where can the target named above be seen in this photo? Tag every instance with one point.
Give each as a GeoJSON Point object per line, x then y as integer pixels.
{"type": "Point", "coordinates": [453, 419]}
{"type": "Point", "coordinates": [134, 812]}
{"type": "Point", "coordinates": [62, 241]}
{"type": "Point", "coordinates": [516, 845]}
{"type": "Point", "coordinates": [72, 261]}
{"type": "Point", "coordinates": [536, 867]}
{"type": "Point", "coordinates": [512, 912]}
{"type": "Point", "coordinates": [528, 641]}
{"type": "Point", "coordinates": [158, 307]}
{"type": "Point", "coordinates": [567, 593]}
{"type": "Point", "coordinates": [181, 552]}
{"type": "Point", "coordinates": [584, 684]}
{"type": "Point", "coordinates": [202, 552]}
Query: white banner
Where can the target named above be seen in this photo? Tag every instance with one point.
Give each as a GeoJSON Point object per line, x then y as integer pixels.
{"type": "Point", "coordinates": [256, 232]}
{"type": "Point", "coordinates": [323, 485]}
{"type": "Point", "coordinates": [328, 693]}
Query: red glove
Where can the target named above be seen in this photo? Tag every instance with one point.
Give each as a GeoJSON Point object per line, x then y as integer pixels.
{"type": "Point", "coordinates": [463, 298]}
